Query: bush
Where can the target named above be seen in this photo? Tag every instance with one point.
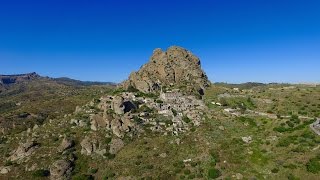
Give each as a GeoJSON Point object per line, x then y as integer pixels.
{"type": "Point", "coordinates": [137, 120]}
{"type": "Point", "coordinates": [109, 175]}
{"type": "Point", "coordinates": [280, 129]}
{"type": "Point", "coordinates": [275, 170]}
{"type": "Point", "coordinates": [108, 140]}
{"type": "Point", "coordinates": [159, 101]}
{"type": "Point", "coordinates": [175, 113]}
{"type": "Point", "coordinates": [110, 156]}
{"type": "Point", "coordinates": [214, 156]}
{"type": "Point", "coordinates": [292, 177]}
{"type": "Point", "coordinates": [41, 173]}
{"type": "Point", "coordinates": [187, 172]}
{"type": "Point", "coordinates": [194, 164]}
{"type": "Point", "coordinates": [313, 165]}
{"type": "Point", "coordinates": [132, 89]}
{"type": "Point", "coordinates": [83, 177]}
{"type": "Point", "coordinates": [186, 119]}
{"type": "Point", "coordinates": [149, 166]}
{"type": "Point", "coordinates": [214, 173]}
{"type": "Point", "coordinates": [8, 163]}
{"type": "Point", "coordinates": [93, 170]}
{"type": "Point", "coordinates": [3, 140]}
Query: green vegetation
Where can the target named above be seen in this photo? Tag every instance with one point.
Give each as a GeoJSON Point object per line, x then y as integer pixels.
{"type": "Point", "coordinates": [313, 165]}
{"type": "Point", "coordinates": [41, 173]}
{"type": "Point", "coordinates": [186, 119]}
{"type": "Point", "coordinates": [214, 173]}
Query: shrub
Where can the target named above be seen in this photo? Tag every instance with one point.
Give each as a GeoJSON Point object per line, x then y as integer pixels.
{"type": "Point", "coordinates": [275, 170]}
{"type": "Point", "coordinates": [83, 177]}
{"type": "Point", "coordinates": [159, 101]}
{"type": "Point", "coordinates": [41, 173]}
{"type": "Point", "coordinates": [149, 166]}
{"type": "Point", "coordinates": [93, 170]}
{"type": "Point", "coordinates": [132, 89]}
{"type": "Point", "coordinates": [292, 177]}
{"type": "Point", "coordinates": [313, 165]}
{"type": "Point", "coordinates": [175, 113]}
{"type": "Point", "coordinates": [110, 156]}
{"type": "Point", "coordinates": [137, 120]}
{"type": "Point", "coordinates": [108, 140]}
{"type": "Point", "coordinates": [194, 164]}
{"type": "Point", "coordinates": [214, 156]}
{"type": "Point", "coordinates": [280, 129]}
{"type": "Point", "coordinates": [192, 176]}
{"type": "Point", "coordinates": [214, 173]}
{"type": "Point", "coordinates": [186, 119]}
{"type": "Point", "coordinates": [179, 164]}
{"type": "Point", "coordinates": [187, 172]}
{"type": "Point", "coordinates": [3, 140]}
{"type": "Point", "coordinates": [8, 163]}
{"type": "Point", "coordinates": [290, 124]}
{"type": "Point", "coordinates": [109, 175]}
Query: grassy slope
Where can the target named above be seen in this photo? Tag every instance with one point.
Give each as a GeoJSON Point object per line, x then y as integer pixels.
{"type": "Point", "coordinates": [271, 155]}
{"type": "Point", "coordinates": [44, 99]}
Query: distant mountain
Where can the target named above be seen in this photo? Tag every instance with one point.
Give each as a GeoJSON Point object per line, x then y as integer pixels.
{"type": "Point", "coordinates": [8, 81]}
{"type": "Point", "coordinates": [68, 81]}
{"type": "Point", "coordinates": [16, 78]}
{"type": "Point", "coordinates": [247, 85]}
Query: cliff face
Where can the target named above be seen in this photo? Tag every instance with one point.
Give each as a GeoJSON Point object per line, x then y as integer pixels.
{"type": "Point", "coordinates": [176, 67]}
{"type": "Point", "coordinates": [11, 79]}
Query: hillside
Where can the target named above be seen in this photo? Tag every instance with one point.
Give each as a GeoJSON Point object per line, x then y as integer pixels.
{"type": "Point", "coordinates": [156, 125]}
{"type": "Point", "coordinates": [30, 99]}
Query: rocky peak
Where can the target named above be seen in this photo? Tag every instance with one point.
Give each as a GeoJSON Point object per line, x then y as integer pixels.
{"type": "Point", "coordinates": [176, 67]}
{"type": "Point", "coordinates": [11, 79]}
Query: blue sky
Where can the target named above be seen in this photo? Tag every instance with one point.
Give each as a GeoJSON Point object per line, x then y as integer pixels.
{"type": "Point", "coordinates": [237, 41]}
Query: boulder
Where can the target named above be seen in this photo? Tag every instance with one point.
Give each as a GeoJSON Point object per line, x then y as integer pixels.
{"type": "Point", "coordinates": [116, 145]}
{"type": "Point", "coordinates": [97, 121]}
{"type": "Point", "coordinates": [88, 145]}
{"type": "Point", "coordinates": [23, 151]}
{"type": "Point", "coordinates": [116, 127]}
{"type": "Point", "coordinates": [247, 140]}
{"type": "Point", "coordinates": [5, 170]}
{"type": "Point", "coordinates": [117, 105]}
{"type": "Point", "coordinates": [120, 126]}
{"type": "Point", "coordinates": [61, 170]}
{"type": "Point", "coordinates": [65, 144]}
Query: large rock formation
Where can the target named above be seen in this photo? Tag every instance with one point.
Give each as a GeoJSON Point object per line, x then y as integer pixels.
{"type": "Point", "coordinates": [175, 67]}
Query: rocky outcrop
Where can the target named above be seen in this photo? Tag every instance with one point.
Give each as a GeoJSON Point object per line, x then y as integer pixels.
{"type": "Point", "coordinates": [23, 151]}
{"type": "Point", "coordinates": [98, 121]}
{"type": "Point", "coordinates": [116, 145]}
{"type": "Point", "coordinates": [120, 126]}
{"type": "Point", "coordinates": [61, 170]}
{"type": "Point", "coordinates": [117, 105]}
{"type": "Point", "coordinates": [88, 145]}
{"type": "Point", "coordinates": [91, 146]}
{"type": "Point", "coordinates": [65, 144]}
{"type": "Point", "coordinates": [5, 170]}
{"type": "Point", "coordinates": [176, 66]}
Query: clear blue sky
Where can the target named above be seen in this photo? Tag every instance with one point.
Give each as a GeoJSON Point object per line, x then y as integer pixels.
{"type": "Point", "coordinates": [237, 41]}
